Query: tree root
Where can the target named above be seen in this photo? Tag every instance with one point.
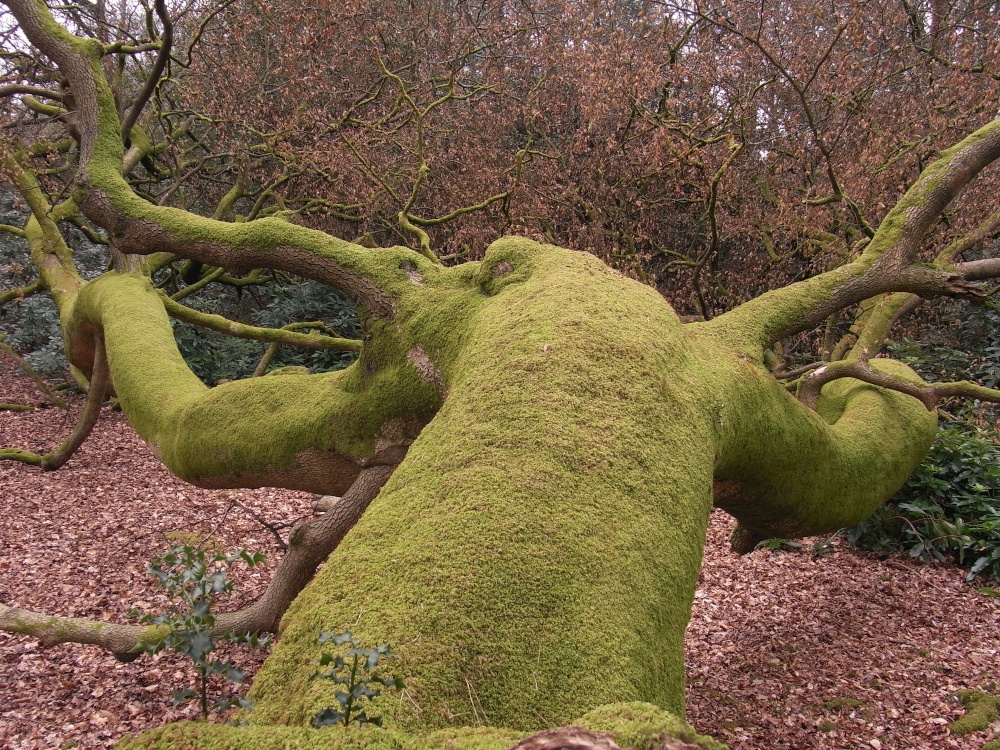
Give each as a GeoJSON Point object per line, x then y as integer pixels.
{"type": "Point", "coordinates": [310, 544]}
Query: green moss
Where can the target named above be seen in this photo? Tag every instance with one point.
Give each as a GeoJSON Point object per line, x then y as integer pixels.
{"type": "Point", "coordinates": [290, 370]}
{"type": "Point", "coordinates": [801, 473]}
{"type": "Point", "coordinates": [638, 726]}
{"type": "Point", "coordinates": [473, 738]}
{"type": "Point", "coordinates": [536, 553]}
{"type": "Point", "coordinates": [203, 736]}
{"type": "Point", "coordinates": [247, 431]}
{"type": "Point", "coordinates": [642, 726]}
{"type": "Point", "coordinates": [983, 710]}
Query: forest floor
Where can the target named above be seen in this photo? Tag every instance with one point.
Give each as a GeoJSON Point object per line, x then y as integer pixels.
{"type": "Point", "coordinates": [785, 651]}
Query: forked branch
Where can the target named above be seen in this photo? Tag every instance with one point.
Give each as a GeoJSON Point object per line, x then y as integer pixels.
{"type": "Point", "coordinates": [929, 394]}
{"type": "Point", "coordinates": [372, 279]}
{"type": "Point", "coordinates": [889, 263]}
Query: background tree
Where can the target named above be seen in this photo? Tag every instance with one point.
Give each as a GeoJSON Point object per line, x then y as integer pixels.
{"type": "Point", "coordinates": [543, 435]}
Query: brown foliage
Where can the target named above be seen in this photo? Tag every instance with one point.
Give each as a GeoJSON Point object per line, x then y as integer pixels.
{"type": "Point", "coordinates": [761, 140]}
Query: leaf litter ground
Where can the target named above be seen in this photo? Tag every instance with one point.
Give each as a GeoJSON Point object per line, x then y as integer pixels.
{"type": "Point", "coordinates": [783, 651]}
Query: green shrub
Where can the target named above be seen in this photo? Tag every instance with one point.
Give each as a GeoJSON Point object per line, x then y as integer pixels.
{"type": "Point", "coordinates": [353, 672]}
{"type": "Point", "coordinates": [196, 579]}
{"type": "Point", "coordinates": [948, 509]}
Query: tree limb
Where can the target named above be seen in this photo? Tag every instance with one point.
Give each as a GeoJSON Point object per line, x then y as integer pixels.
{"type": "Point", "coordinates": [244, 331]}
{"type": "Point", "coordinates": [22, 292]}
{"type": "Point", "coordinates": [12, 89]}
{"type": "Point", "coordinates": [929, 394]}
{"type": "Point", "coordinates": [889, 262]}
{"type": "Point", "coordinates": [84, 424]}
{"type": "Point", "coordinates": [372, 279]}
{"type": "Point", "coordinates": [153, 79]}
{"type": "Point", "coordinates": [310, 544]}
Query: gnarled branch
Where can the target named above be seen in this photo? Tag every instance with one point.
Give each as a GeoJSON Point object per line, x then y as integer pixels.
{"type": "Point", "coordinates": [889, 262]}
{"type": "Point", "coordinates": [929, 394]}
{"type": "Point", "coordinates": [372, 279]}
{"type": "Point", "coordinates": [310, 544]}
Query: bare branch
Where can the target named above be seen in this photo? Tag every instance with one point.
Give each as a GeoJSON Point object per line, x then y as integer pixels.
{"type": "Point", "coordinates": [929, 394]}
{"type": "Point", "coordinates": [13, 89]}
{"type": "Point", "coordinates": [153, 79]}
{"type": "Point", "coordinates": [35, 377]}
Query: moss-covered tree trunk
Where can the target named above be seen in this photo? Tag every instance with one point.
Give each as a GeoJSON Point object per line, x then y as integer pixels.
{"type": "Point", "coordinates": [535, 554]}
{"type": "Point", "coordinates": [556, 439]}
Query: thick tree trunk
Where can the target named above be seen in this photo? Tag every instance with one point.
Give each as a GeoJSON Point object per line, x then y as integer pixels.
{"type": "Point", "coordinates": [535, 554]}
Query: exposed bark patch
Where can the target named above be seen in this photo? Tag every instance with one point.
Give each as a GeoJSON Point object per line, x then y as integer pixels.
{"type": "Point", "coordinates": [320, 472]}
{"type": "Point", "coordinates": [410, 269]}
{"type": "Point", "coordinates": [501, 269]}
{"type": "Point", "coordinates": [569, 738]}
{"type": "Point", "coordinates": [578, 738]}
{"type": "Point", "coordinates": [427, 369]}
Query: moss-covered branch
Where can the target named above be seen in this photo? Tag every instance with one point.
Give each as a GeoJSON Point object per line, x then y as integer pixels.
{"type": "Point", "coordinates": [929, 394]}
{"type": "Point", "coordinates": [889, 262]}
{"type": "Point", "coordinates": [313, 432]}
{"type": "Point", "coordinates": [197, 286]}
{"type": "Point", "coordinates": [270, 335]}
{"type": "Point", "coordinates": [437, 221]}
{"type": "Point", "coordinates": [50, 630]}
{"type": "Point", "coordinates": [16, 231]}
{"type": "Point", "coordinates": [50, 255]}
{"type": "Point", "coordinates": [422, 237]}
{"type": "Point", "coordinates": [787, 470]}
{"type": "Point", "coordinates": [22, 292]}
{"type": "Point", "coordinates": [372, 279]}
{"type": "Point", "coordinates": [871, 328]}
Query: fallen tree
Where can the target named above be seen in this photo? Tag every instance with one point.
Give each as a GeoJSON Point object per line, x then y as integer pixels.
{"type": "Point", "coordinates": [528, 446]}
